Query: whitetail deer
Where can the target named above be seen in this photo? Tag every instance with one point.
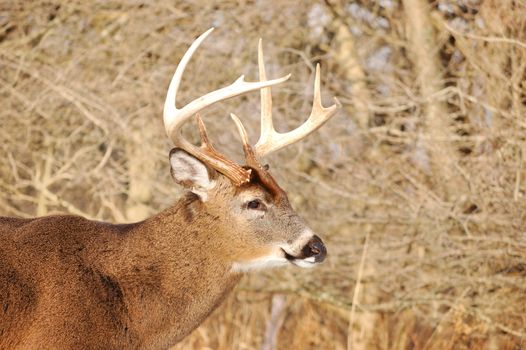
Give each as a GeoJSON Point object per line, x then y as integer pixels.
{"type": "Point", "coordinates": [70, 283]}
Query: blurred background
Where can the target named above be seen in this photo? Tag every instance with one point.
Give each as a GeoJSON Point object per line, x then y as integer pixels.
{"type": "Point", "coordinates": [417, 184]}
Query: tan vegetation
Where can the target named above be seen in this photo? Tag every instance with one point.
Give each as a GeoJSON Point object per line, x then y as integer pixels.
{"type": "Point", "coordinates": [424, 163]}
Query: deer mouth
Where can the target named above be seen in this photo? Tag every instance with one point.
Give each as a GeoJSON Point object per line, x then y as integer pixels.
{"type": "Point", "coordinates": [301, 261]}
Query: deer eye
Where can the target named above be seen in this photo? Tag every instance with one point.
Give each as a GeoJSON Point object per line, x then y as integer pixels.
{"type": "Point", "coordinates": [256, 204]}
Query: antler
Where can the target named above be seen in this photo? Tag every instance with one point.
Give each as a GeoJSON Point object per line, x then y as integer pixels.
{"type": "Point", "coordinates": [174, 118]}
{"type": "Point", "coordinates": [270, 140]}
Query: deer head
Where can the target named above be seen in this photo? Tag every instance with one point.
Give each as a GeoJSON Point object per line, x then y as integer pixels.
{"type": "Point", "coordinates": [258, 226]}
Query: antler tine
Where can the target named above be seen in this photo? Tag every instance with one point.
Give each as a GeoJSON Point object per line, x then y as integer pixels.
{"type": "Point", "coordinates": [271, 140]}
{"type": "Point", "coordinates": [253, 162]}
{"type": "Point", "coordinates": [249, 153]}
{"type": "Point", "coordinates": [174, 118]}
{"type": "Point", "coordinates": [215, 159]}
{"type": "Point", "coordinates": [266, 98]}
{"type": "Point", "coordinates": [203, 134]}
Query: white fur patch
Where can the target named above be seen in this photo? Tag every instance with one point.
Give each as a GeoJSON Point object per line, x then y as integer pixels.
{"type": "Point", "coordinates": [259, 264]}
{"type": "Point", "coordinates": [304, 263]}
{"type": "Point", "coordinates": [202, 194]}
{"type": "Point", "coordinates": [186, 168]}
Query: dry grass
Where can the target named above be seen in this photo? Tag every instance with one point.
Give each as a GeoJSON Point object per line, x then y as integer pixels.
{"type": "Point", "coordinates": [82, 86]}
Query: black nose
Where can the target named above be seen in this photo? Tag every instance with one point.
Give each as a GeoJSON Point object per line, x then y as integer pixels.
{"type": "Point", "coordinates": [315, 248]}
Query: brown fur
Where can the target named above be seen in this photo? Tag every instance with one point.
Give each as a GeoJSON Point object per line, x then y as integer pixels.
{"type": "Point", "coordinates": [70, 283]}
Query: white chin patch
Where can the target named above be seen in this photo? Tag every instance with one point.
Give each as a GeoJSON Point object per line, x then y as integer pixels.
{"type": "Point", "coordinates": [259, 264]}
{"type": "Point", "coordinates": [304, 263]}
{"type": "Point", "coordinates": [270, 262]}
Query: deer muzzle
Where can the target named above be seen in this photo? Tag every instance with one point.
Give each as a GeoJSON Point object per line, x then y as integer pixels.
{"type": "Point", "coordinates": [312, 253]}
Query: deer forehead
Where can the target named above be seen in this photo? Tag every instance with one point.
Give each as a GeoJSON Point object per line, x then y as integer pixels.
{"type": "Point", "coordinates": [253, 191]}
{"type": "Point", "coordinates": [225, 191]}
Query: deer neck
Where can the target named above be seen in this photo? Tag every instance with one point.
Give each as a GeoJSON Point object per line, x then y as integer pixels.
{"type": "Point", "coordinates": [171, 271]}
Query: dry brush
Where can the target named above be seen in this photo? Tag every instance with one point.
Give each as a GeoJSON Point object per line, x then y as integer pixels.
{"type": "Point", "coordinates": [424, 163]}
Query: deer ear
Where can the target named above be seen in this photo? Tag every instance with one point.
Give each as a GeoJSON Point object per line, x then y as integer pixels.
{"type": "Point", "coordinates": [190, 172]}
